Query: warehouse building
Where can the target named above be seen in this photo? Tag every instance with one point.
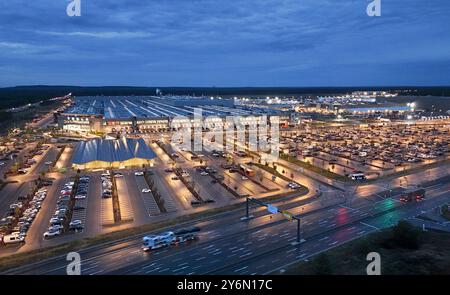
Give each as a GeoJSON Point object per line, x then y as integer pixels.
{"type": "Point", "coordinates": [112, 153]}
{"type": "Point", "coordinates": [131, 114]}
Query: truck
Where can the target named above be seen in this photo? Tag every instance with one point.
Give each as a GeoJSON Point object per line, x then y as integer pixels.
{"type": "Point", "coordinates": [413, 195]}
{"type": "Point", "coordinates": [152, 242]}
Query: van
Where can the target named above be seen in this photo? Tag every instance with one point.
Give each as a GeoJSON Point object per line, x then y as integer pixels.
{"type": "Point", "coordinates": [13, 238]}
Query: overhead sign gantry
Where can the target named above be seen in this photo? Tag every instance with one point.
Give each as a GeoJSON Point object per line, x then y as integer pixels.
{"type": "Point", "coordinates": [274, 210]}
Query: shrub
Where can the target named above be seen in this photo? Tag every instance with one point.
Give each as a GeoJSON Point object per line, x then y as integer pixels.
{"type": "Point", "coordinates": [406, 235]}
{"type": "Point", "coordinates": [322, 265]}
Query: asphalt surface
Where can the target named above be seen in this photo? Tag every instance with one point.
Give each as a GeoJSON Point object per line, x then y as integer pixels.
{"type": "Point", "coordinates": [228, 245]}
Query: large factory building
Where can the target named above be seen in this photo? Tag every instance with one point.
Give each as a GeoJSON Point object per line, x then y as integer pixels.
{"type": "Point", "coordinates": [153, 113]}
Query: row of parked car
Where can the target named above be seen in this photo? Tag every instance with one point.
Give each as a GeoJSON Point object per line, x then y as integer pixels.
{"type": "Point", "coordinates": [79, 209]}
{"type": "Point", "coordinates": [106, 185]}
{"type": "Point", "coordinates": [395, 144]}
{"type": "Point", "coordinates": [29, 159]}
{"type": "Point", "coordinates": [293, 185]}
{"type": "Point", "coordinates": [26, 216]}
{"type": "Point", "coordinates": [64, 206]}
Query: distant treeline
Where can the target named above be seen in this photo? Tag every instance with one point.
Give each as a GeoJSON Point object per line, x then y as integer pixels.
{"type": "Point", "coordinates": [17, 96]}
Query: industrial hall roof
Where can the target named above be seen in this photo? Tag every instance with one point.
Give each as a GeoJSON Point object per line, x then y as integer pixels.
{"type": "Point", "coordinates": [115, 150]}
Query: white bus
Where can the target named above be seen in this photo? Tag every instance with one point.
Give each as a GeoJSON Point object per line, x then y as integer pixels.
{"type": "Point", "coordinates": [157, 241]}
{"type": "Point", "coordinates": [170, 237]}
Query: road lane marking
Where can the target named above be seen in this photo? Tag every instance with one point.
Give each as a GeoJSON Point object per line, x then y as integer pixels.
{"type": "Point", "coordinates": [247, 254]}
{"type": "Point", "coordinates": [242, 268]}
{"type": "Point", "coordinates": [372, 226]}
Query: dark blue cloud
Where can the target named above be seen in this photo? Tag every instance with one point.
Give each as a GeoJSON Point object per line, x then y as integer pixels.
{"type": "Point", "coordinates": [225, 43]}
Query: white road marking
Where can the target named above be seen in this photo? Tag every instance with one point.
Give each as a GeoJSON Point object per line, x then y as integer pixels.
{"type": "Point", "coordinates": [369, 225]}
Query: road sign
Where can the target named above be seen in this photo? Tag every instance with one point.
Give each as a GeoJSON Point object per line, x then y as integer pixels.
{"type": "Point", "coordinates": [287, 214]}
{"type": "Point", "coordinates": [272, 209]}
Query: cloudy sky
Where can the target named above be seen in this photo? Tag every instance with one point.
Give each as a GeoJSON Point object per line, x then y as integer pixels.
{"type": "Point", "coordinates": [225, 43]}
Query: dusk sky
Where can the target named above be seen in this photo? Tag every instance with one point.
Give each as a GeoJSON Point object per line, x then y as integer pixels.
{"type": "Point", "coordinates": [225, 43]}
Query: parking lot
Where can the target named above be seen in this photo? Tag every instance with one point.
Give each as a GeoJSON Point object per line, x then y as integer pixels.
{"type": "Point", "coordinates": [204, 168]}
{"type": "Point", "coordinates": [375, 150]}
{"type": "Point", "coordinates": [81, 204]}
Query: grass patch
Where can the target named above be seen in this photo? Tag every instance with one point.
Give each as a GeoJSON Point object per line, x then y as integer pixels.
{"type": "Point", "coordinates": [404, 250]}
{"type": "Point", "coordinates": [335, 176]}
{"type": "Point", "coordinates": [408, 171]}
{"type": "Point", "coordinates": [313, 168]}
{"type": "Point", "coordinates": [302, 189]}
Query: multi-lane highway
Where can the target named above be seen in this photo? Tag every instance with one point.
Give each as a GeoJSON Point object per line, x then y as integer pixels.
{"type": "Point", "coordinates": [329, 217]}
{"type": "Point", "coordinates": [261, 245]}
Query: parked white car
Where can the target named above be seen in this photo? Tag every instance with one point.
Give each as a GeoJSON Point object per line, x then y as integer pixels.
{"type": "Point", "coordinates": [13, 238]}
{"type": "Point", "coordinates": [54, 233]}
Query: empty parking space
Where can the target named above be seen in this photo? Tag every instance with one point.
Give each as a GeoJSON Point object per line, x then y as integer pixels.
{"type": "Point", "coordinates": [168, 187]}
{"type": "Point", "coordinates": [107, 212]}
{"type": "Point", "coordinates": [94, 210]}
{"type": "Point", "coordinates": [126, 209]}
{"type": "Point", "coordinates": [147, 197]}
